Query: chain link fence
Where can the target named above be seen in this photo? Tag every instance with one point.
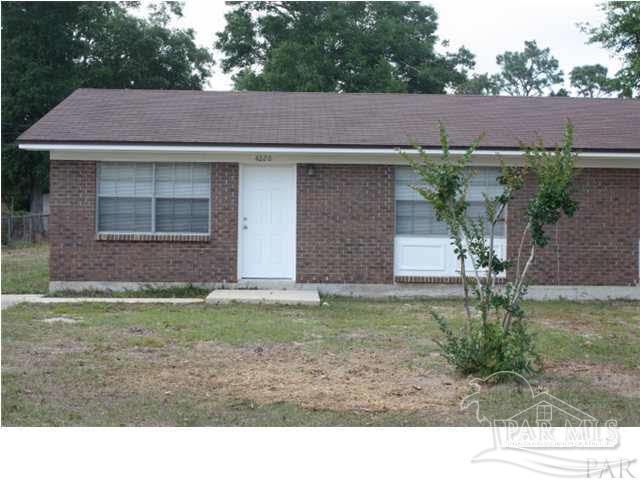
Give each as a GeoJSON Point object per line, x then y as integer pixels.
{"type": "Point", "coordinates": [28, 228]}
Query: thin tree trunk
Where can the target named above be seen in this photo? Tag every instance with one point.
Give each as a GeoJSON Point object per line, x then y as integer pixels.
{"type": "Point", "coordinates": [557, 254]}
{"type": "Point", "coordinates": [492, 278]}
{"type": "Point", "coordinates": [465, 287]}
{"type": "Point", "coordinates": [521, 247]}
{"type": "Point", "coordinates": [506, 323]}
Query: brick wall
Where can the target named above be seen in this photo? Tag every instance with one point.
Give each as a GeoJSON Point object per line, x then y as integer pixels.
{"type": "Point", "coordinates": [76, 254]}
{"type": "Point", "coordinates": [599, 245]}
{"type": "Point", "coordinates": [345, 231]}
{"type": "Point", "coordinates": [345, 224]}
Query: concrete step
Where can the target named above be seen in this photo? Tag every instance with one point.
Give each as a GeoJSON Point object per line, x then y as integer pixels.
{"type": "Point", "coordinates": [281, 297]}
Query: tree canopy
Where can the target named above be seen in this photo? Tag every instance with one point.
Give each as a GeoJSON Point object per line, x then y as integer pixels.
{"type": "Point", "coordinates": [338, 46]}
{"type": "Point", "coordinates": [480, 84]}
{"type": "Point", "coordinates": [528, 72]}
{"type": "Point", "coordinates": [592, 80]}
{"type": "Point", "coordinates": [620, 33]}
{"type": "Point", "coordinates": [51, 48]}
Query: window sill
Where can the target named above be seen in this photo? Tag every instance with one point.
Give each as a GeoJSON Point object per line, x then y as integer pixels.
{"type": "Point", "coordinates": [153, 237]}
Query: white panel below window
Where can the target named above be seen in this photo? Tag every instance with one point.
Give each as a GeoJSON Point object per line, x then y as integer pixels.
{"type": "Point", "coordinates": [420, 254]}
{"type": "Point", "coordinates": [432, 257]}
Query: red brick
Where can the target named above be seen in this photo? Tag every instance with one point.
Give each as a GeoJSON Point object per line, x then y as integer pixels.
{"type": "Point", "coordinates": [77, 255]}
{"type": "Point", "coordinates": [599, 244]}
{"type": "Point", "coordinates": [345, 231]}
{"type": "Point", "coordinates": [345, 224]}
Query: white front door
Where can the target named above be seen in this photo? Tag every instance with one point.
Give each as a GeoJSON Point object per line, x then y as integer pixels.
{"type": "Point", "coordinates": [267, 221]}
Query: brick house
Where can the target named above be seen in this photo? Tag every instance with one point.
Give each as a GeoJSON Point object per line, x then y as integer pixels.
{"type": "Point", "coordinates": [164, 187]}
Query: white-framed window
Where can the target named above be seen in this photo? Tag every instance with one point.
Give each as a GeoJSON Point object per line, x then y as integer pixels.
{"type": "Point", "coordinates": [422, 247]}
{"type": "Point", "coordinates": [153, 197]}
{"type": "Point", "coordinates": [416, 217]}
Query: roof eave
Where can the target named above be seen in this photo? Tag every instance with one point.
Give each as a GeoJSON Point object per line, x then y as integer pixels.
{"type": "Point", "coordinates": [292, 149]}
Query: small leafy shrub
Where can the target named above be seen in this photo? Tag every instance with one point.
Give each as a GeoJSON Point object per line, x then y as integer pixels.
{"type": "Point", "coordinates": [495, 338]}
{"type": "Point", "coordinates": [486, 349]}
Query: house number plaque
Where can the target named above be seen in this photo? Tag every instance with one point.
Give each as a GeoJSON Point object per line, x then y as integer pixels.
{"type": "Point", "coordinates": [263, 158]}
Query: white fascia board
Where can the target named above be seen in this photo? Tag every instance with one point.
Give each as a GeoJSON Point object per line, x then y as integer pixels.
{"type": "Point", "coordinates": [231, 149]}
{"type": "Point", "coordinates": [288, 150]}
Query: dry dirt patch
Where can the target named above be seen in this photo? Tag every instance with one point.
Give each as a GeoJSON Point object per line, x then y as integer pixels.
{"type": "Point", "coordinates": [361, 379]}
{"type": "Point", "coordinates": [613, 379]}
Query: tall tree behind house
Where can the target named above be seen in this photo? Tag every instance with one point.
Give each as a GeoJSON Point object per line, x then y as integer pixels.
{"type": "Point", "coordinates": [338, 46]}
{"type": "Point", "coordinates": [51, 48]}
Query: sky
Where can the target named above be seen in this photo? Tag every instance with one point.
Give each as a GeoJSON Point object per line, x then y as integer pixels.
{"type": "Point", "coordinates": [486, 27]}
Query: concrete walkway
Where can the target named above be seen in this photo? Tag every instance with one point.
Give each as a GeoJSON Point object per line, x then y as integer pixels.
{"type": "Point", "coordinates": [11, 300]}
{"type": "Point", "coordinates": [281, 297]}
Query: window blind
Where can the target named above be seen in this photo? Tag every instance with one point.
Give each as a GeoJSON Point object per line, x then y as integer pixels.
{"type": "Point", "coordinates": [153, 198]}
{"type": "Point", "coordinates": [415, 216]}
{"type": "Point", "coordinates": [182, 198]}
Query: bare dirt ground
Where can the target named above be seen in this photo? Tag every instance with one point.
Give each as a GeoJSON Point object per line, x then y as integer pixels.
{"type": "Point", "coordinates": [359, 380]}
{"type": "Point", "coordinates": [356, 380]}
{"type": "Point", "coordinates": [353, 363]}
{"type": "Point", "coordinates": [614, 379]}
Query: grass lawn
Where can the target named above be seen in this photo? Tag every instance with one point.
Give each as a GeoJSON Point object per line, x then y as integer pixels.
{"type": "Point", "coordinates": [350, 362]}
{"type": "Point", "coordinates": [25, 268]}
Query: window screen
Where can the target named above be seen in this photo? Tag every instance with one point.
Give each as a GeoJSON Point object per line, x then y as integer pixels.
{"type": "Point", "coordinates": [415, 216]}
{"type": "Point", "coordinates": [150, 198]}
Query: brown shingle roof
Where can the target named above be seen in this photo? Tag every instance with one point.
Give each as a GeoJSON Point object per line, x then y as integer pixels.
{"type": "Point", "coordinates": [327, 119]}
